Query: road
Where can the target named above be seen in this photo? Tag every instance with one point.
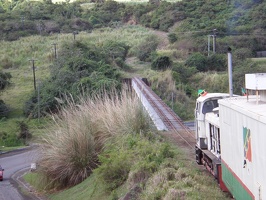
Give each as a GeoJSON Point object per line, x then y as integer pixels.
{"type": "Point", "coordinates": [13, 163]}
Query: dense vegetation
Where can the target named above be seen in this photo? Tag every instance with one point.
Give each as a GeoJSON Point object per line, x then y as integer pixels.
{"type": "Point", "coordinates": [188, 22]}
{"type": "Point", "coordinates": [111, 138]}
{"type": "Point", "coordinates": [242, 19]}
{"type": "Point", "coordinates": [78, 68]}
{"type": "Point", "coordinates": [4, 82]}
{"type": "Point", "coordinates": [95, 129]}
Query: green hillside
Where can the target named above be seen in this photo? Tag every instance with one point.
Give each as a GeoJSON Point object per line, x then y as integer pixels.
{"type": "Point", "coordinates": [96, 138]}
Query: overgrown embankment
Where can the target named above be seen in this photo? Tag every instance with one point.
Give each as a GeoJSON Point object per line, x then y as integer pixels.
{"type": "Point", "coordinates": [108, 142]}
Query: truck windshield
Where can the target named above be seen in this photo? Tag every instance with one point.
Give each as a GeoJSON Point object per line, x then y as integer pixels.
{"type": "Point", "coordinates": [209, 106]}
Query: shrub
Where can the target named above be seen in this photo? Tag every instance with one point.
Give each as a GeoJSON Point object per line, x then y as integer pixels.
{"type": "Point", "coordinates": [4, 80]}
{"type": "Point", "coordinates": [24, 133]}
{"type": "Point", "coordinates": [172, 37]}
{"type": "Point", "coordinates": [139, 155]}
{"type": "Point", "coordinates": [114, 168]}
{"type": "Point", "coordinates": [4, 109]}
{"type": "Point", "coordinates": [116, 49]}
{"type": "Point", "coordinates": [121, 63]}
{"type": "Point", "coordinates": [210, 81]}
{"type": "Point", "coordinates": [145, 49]}
{"type": "Point", "coordinates": [216, 62]}
{"type": "Point", "coordinates": [183, 72]}
{"type": "Point", "coordinates": [6, 62]}
{"type": "Point", "coordinates": [9, 140]}
{"type": "Point", "coordinates": [242, 54]}
{"type": "Point", "coordinates": [79, 68]}
{"type": "Point", "coordinates": [80, 132]}
{"type": "Point", "coordinates": [161, 63]}
{"type": "Point", "coordinates": [197, 60]}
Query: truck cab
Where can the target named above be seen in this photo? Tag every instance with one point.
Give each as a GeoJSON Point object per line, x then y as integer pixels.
{"type": "Point", "coordinates": [205, 104]}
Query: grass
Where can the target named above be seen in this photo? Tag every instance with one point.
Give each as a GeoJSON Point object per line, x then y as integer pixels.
{"type": "Point", "coordinates": [259, 60]}
{"type": "Point", "coordinates": [4, 149]}
{"type": "Point", "coordinates": [17, 63]}
{"type": "Point", "coordinates": [215, 82]}
{"type": "Point", "coordinates": [15, 55]}
{"type": "Point", "coordinates": [80, 132]}
{"type": "Point", "coordinates": [120, 1]}
{"type": "Point", "coordinates": [114, 132]}
{"type": "Point", "coordinates": [88, 189]}
{"type": "Point", "coordinates": [161, 171]}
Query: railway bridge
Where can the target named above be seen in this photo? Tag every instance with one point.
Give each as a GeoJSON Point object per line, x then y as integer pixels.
{"type": "Point", "coordinates": [164, 118]}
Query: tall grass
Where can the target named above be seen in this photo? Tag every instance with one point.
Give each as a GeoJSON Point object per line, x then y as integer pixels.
{"type": "Point", "coordinates": [71, 147]}
{"type": "Point", "coordinates": [210, 81]}
{"type": "Point", "coordinates": [15, 55]}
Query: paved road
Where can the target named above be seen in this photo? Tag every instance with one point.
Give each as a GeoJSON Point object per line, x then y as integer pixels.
{"type": "Point", "coordinates": [13, 163]}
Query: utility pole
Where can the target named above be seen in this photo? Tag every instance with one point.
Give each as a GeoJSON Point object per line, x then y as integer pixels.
{"type": "Point", "coordinates": [75, 33]}
{"type": "Point", "coordinates": [55, 55]}
{"type": "Point", "coordinates": [33, 70]}
{"type": "Point", "coordinates": [214, 40]}
{"type": "Point", "coordinates": [209, 41]}
{"type": "Point", "coordinates": [38, 101]}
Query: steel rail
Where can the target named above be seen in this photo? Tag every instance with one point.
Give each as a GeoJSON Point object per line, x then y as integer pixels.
{"type": "Point", "coordinates": [169, 118]}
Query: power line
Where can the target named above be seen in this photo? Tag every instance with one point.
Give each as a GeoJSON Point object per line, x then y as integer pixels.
{"type": "Point", "coordinates": [221, 33]}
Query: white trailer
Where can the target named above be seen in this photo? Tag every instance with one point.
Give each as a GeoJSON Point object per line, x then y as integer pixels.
{"type": "Point", "coordinates": [243, 142]}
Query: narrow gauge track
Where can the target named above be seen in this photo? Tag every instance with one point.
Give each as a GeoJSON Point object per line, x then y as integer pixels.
{"type": "Point", "coordinates": [170, 119]}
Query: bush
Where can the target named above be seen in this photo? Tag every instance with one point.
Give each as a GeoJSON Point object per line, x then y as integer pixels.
{"type": "Point", "coordinates": [116, 49]}
{"type": "Point", "coordinates": [80, 132]}
{"type": "Point", "coordinates": [4, 109]}
{"type": "Point", "coordinates": [4, 80]}
{"type": "Point", "coordinates": [9, 140]}
{"type": "Point", "coordinates": [242, 54]}
{"type": "Point", "coordinates": [216, 62]}
{"type": "Point", "coordinates": [145, 49]}
{"type": "Point", "coordinates": [140, 157]}
{"type": "Point", "coordinates": [210, 81]}
{"type": "Point", "coordinates": [24, 133]}
{"type": "Point", "coordinates": [183, 73]}
{"type": "Point", "coordinates": [114, 168]}
{"type": "Point", "coordinates": [79, 68]}
{"type": "Point", "coordinates": [197, 60]}
{"type": "Point", "coordinates": [161, 63]}
{"type": "Point", "coordinates": [6, 62]}
{"type": "Point", "coordinates": [172, 37]}
{"type": "Point", "coordinates": [121, 63]}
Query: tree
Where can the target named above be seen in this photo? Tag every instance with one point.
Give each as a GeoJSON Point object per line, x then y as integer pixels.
{"type": "Point", "coordinates": [197, 60]}
{"type": "Point", "coordinates": [79, 69]}
{"type": "Point", "coordinates": [4, 82]}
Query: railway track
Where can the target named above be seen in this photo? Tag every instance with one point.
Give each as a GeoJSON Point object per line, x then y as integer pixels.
{"type": "Point", "coordinates": [172, 122]}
